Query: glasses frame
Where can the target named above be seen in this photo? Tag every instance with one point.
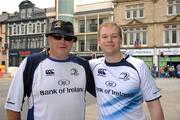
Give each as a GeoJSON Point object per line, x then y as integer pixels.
{"type": "Point", "coordinates": [66, 38]}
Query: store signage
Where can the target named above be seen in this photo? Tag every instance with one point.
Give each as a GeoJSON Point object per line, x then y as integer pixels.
{"type": "Point", "coordinates": [169, 51]}
{"type": "Point", "coordinates": [140, 52]}
{"type": "Point", "coordinates": [24, 53]}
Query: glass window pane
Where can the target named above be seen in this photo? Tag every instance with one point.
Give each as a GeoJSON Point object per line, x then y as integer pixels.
{"type": "Point", "coordinates": [178, 8]}
{"type": "Point", "coordinates": [141, 13]}
{"type": "Point", "coordinates": [128, 14]}
{"type": "Point", "coordinates": [131, 38]}
{"type": "Point", "coordinates": [134, 14]}
{"type": "Point", "coordinates": [144, 38]}
{"type": "Point", "coordinates": [38, 28]}
{"type": "Point", "coordinates": [166, 37]}
{"type": "Point", "coordinates": [81, 26]}
{"type": "Point", "coordinates": [170, 10]}
{"type": "Point", "coordinates": [174, 36]}
{"type": "Point", "coordinates": [91, 43]}
{"type": "Point", "coordinates": [170, 1]}
{"type": "Point", "coordinates": [125, 39]}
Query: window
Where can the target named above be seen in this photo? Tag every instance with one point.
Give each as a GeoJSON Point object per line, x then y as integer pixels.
{"type": "Point", "coordinates": [173, 7]}
{"type": "Point", "coordinates": [25, 29]}
{"type": "Point", "coordinates": [134, 11]}
{"type": "Point", "coordinates": [22, 29]}
{"type": "Point", "coordinates": [144, 42]}
{"type": "Point", "coordinates": [32, 43]}
{"type": "Point", "coordinates": [41, 43]}
{"type": "Point", "coordinates": [23, 13]}
{"type": "Point", "coordinates": [10, 30]}
{"type": "Point", "coordinates": [18, 30]}
{"type": "Point", "coordinates": [14, 29]}
{"type": "Point", "coordinates": [81, 45]}
{"type": "Point", "coordinates": [174, 39]}
{"type": "Point", "coordinates": [23, 41]}
{"type": "Point", "coordinates": [91, 43]}
{"type": "Point", "coordinates": [29, 42]}
{"type": "Point", "coordinates": [172, 35]}
{"type": "Point", "coordinates": [103, 20]}
{"type": "Point", "coordinates": [135, 37]}
{"type": "Point", "coordinates": [125, 39]}
{"type": "Point", "coordinates": [30, 28]}
{"type": "Point", "coordinates": [42, 27]}
{"type": "Point", "coordinates": [81, 26]}
{"type": "Point", "coordinates": [38, 28]}
{"type": "Point", "coordinates": [131, 38]}
{"type": "Point", "coordinates": [18, 43]}
{"type": "Point", "coordinates": [29, 12]}
{"type": "Point", "coordinates": [91, 25]}
{"type": "Point", "coordinates": [166, 37]}
{"type": "Point", "coordinates": [34, 28]}
{"type": "Point", "coordinates": [14, 44]}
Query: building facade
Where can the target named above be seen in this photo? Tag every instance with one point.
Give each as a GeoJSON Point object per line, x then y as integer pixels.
{"type": "Point", "coordinates": [151, 29]}
{"type": "Point", "coordinates": [87, 18]}
{"type": "Point", "coordinates": [26, 32]}
{"type": "Point", "coordinates": [3, 41]}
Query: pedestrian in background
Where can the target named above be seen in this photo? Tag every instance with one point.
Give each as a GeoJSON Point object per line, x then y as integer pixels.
{"type": "Point", "coordinates": [123, 82]}
{"type": "Point", "coordinates": [59, 81]}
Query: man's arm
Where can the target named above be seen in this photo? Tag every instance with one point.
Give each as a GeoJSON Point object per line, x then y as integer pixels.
{"type": "Point", "coordinates": [12, 115]}
{"type": "Point", "coordinates": [155, 110]}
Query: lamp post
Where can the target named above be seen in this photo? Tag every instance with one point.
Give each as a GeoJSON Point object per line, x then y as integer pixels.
{"type": "Point", "coordinates": [159, 64]}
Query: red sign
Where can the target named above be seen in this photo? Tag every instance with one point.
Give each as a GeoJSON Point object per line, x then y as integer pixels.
{"type": "Point", "coordinates": [24, 53]}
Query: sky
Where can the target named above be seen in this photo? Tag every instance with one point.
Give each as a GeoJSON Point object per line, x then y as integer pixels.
{"type": "Point", "coordinates": [11, 6]}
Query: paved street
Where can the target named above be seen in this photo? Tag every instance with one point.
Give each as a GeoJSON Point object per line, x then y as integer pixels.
{"type": "Point", "coordinates": [170, 90]}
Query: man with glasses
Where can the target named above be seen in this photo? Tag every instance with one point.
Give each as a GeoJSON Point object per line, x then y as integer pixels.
{"type": "Point", "coordinates": [59, 81]}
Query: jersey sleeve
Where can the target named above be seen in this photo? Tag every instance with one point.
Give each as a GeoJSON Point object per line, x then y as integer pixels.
{"type": "Point", "coordinates": [15, 94]}
{"type": "Point", "coordinates": [148, 84]}
{"type": "Point", "coordinates": [90, 85]}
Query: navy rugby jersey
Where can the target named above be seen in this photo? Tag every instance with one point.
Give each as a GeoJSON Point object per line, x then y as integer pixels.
{"type": "Point", "coordinates": [58, 89]}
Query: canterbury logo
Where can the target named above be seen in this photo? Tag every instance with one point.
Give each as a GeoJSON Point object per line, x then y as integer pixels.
{"type": "Point", "coordinates": [101, 71]}
{"type": "Point", "coordinates": [49, 72]}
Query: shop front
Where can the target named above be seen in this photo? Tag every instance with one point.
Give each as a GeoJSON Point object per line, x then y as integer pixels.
{"type": "Point", "coordinates": [168, 60]}
{"type": "Point", "coordinates": [145, 54]}
{"type": "Point", "coordinates": [16, 56]}
{"type": "Point", "coordinates": [168, 56]}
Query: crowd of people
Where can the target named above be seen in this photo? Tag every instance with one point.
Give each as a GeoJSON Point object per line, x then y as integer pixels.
{"type": "Point", "coordinates": [167, 71]}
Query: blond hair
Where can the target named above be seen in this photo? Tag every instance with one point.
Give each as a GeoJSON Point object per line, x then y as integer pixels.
{"type": "Point", "coordinates": [112, 24]}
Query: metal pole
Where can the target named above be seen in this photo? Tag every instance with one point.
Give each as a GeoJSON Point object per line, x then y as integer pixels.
{"type": "Point", "coordinates": [159, 74]}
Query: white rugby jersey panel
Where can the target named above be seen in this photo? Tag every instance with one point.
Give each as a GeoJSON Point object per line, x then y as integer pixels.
{"type": "Point", "coordinates": [16, 90]}
{"type": "Point", "coordinates": [120, 90]}
{"type": "Point", "coordinates": [58, 91]}
{"type": "Point", "coordinates": [148, 84]}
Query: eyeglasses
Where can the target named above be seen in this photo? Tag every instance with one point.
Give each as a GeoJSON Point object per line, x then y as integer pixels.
{"type": "Point", "coordinates": [66, 38]}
